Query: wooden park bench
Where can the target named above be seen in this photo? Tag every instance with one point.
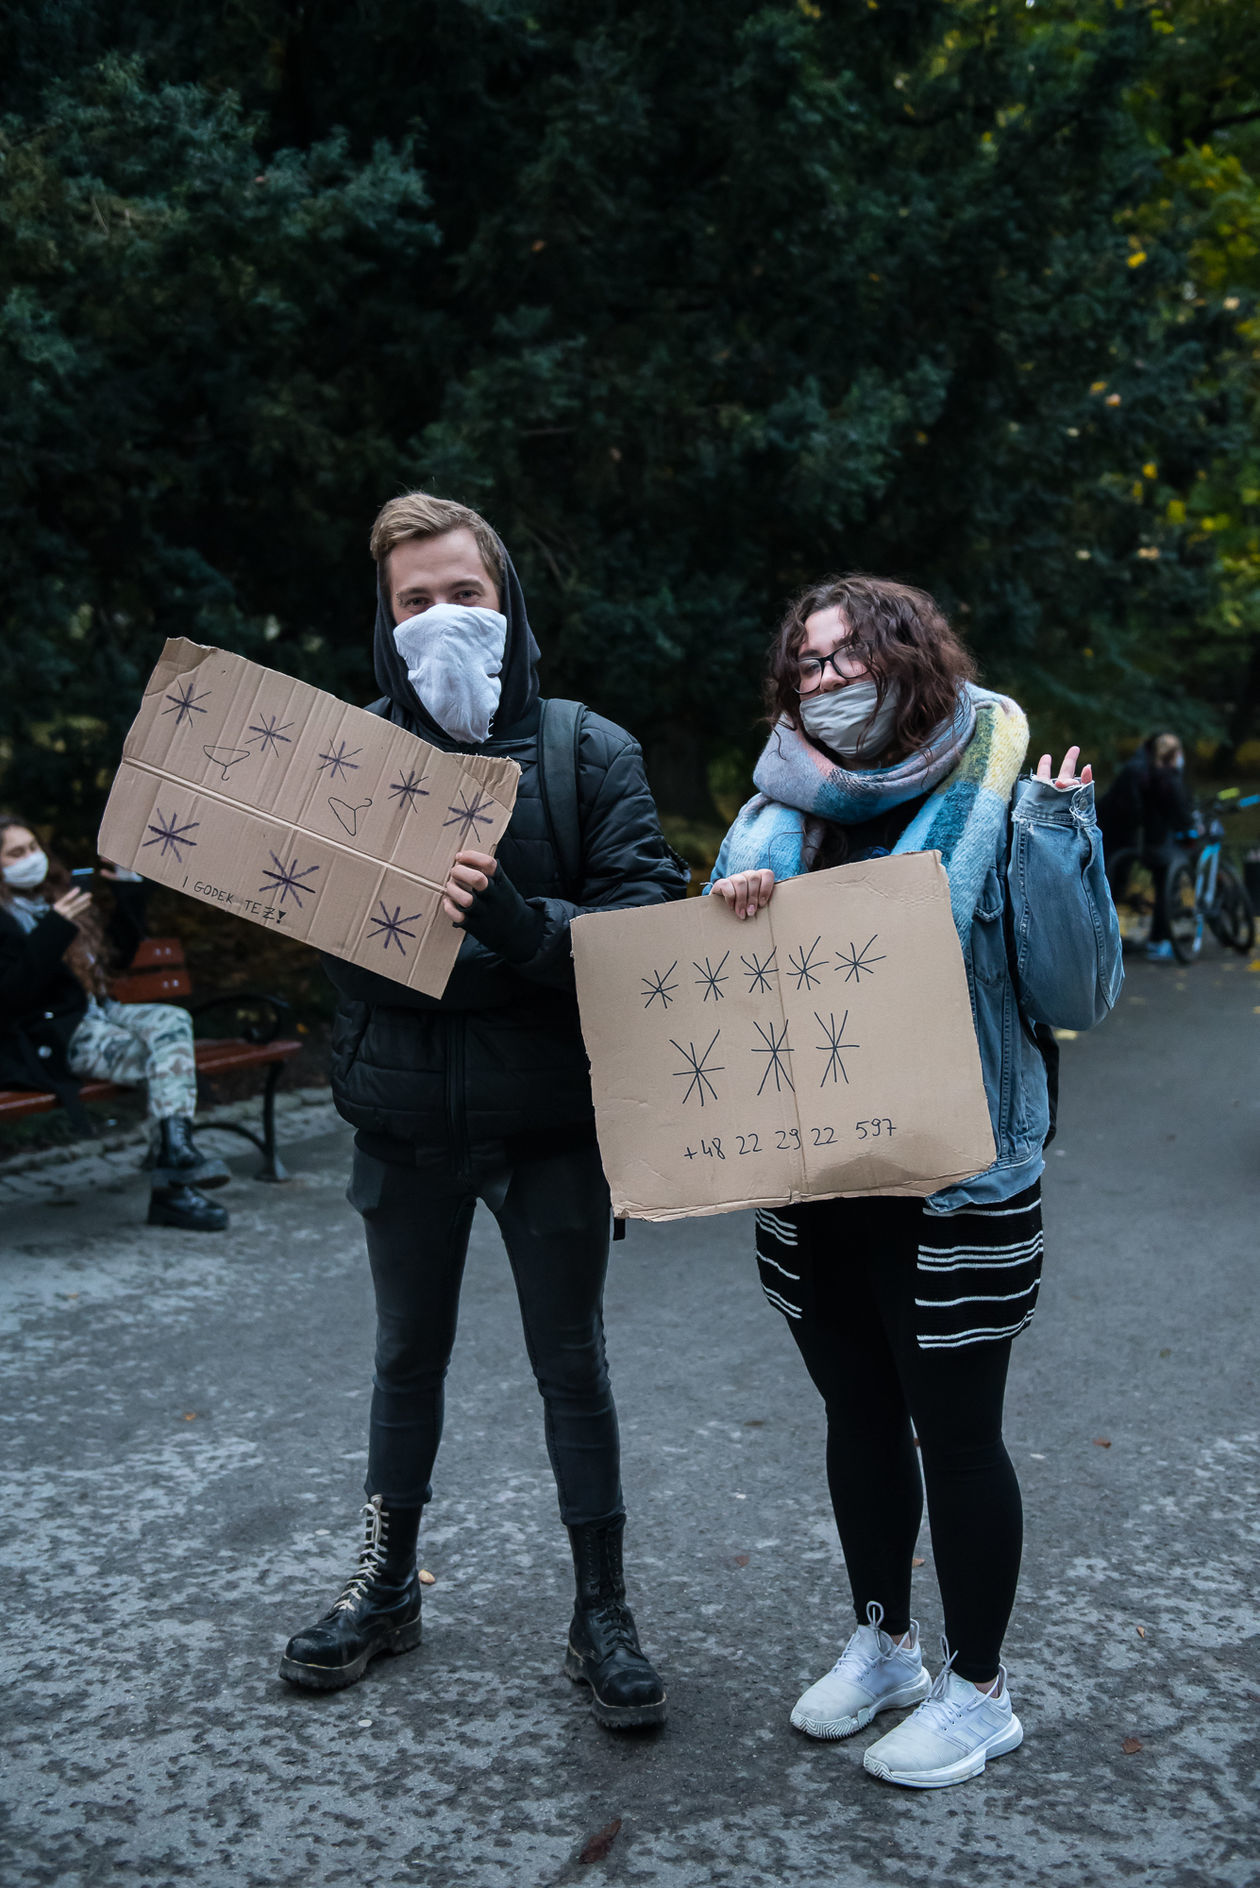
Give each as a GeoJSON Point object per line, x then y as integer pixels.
{"type": "Point", "coordinates": [158, 974]}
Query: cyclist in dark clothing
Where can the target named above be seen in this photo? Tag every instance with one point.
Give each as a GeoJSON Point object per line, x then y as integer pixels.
{"type": "Point", "coordinates": [1145, 807]}
{"type": "Point", "coordinates": [485, 1094]}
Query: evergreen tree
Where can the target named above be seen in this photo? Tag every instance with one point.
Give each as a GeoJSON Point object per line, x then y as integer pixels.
{"type": "Point", "coordinates": [694, 301]}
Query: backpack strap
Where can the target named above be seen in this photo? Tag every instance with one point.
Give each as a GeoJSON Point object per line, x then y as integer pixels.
{"type": "Point", "coordinates": [559, 735]}
{"type": "Point", "coordinates": [559, 739]}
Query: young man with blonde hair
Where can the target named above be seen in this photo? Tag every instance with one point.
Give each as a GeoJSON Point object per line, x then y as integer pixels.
{"type": "Point", "coordinates": [485, 1094]}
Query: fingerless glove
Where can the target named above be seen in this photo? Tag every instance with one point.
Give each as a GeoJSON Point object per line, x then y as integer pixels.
{"type": "Point", "coordinates": [503, 921]}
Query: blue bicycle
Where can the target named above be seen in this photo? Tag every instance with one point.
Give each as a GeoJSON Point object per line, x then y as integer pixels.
{"type": "Point", "coordinates": [1203, 890]}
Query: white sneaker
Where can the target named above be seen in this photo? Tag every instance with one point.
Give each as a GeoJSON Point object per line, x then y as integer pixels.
{"type": "Point", "coordinates": [950, 1737]}
{"type": "Point", "coordinates": [872, 1674]}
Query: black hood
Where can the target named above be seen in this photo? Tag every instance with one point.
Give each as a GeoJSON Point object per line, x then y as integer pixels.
{"type": "Point", "coordinates": [520, 660]}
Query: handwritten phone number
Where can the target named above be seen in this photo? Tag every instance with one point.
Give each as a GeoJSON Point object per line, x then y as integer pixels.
{"type": "Point", "coordinates": [787, 1140]}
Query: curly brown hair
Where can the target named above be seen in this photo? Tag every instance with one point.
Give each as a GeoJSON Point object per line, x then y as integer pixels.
{"type": "Point", "coordinates": [903, 638]}
{"type": "Point", "coordinates": [88, 955]}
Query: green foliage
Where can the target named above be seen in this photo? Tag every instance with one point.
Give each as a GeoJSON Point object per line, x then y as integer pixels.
{"type": "Point", "coordinates": [183, 350]}
{"type": "Point", "coordinates": [695, 301]}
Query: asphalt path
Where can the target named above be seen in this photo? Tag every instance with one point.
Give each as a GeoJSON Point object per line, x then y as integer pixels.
{"type": "Point", "coordinates": [183, 1448]}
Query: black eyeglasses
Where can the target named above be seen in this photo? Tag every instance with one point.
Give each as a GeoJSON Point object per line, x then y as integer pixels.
{"type": "Point", "coordinates": [809, 670]}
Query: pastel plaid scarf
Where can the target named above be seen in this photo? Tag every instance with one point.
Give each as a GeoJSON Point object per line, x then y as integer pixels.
{"type": "Point", "coordinates": [796, 773]}
{"type": "Point", "coordinates": [969, 768]}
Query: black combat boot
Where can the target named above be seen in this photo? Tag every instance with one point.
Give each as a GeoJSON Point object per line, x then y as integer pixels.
{"type": "Point", "coordinates": [377, 1610]}
{"type": "Point", "coordinates": [178, 1161]}
{"type": "Point", "coordinates": [186, 1209]}
{"type": "Point", "coordinates": [604, 1650]}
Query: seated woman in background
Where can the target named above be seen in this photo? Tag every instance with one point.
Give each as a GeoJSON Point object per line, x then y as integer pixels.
{"type": "Point", "coordinates": [59, 1026]}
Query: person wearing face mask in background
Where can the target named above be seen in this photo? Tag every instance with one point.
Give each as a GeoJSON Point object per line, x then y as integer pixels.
{"type": "Point", "coordinates": [484, 1093]}
{"type": "Point", "coordinates": [1146, 806]}
{"type": "Point", "coordinates": [904, 1310]}
{"type": "Point", "coordinates": [59, 1026]}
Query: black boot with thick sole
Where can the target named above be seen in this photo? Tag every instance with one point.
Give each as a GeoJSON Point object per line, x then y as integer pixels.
{"type": "Point", "coordinates": [178, 1161]}
{"type": "Point", "coordinates": [604, 1650]}
{"type": "Point", "coordinates": [186, 1209]}
{"type": "Point", "coordinates": [378, 1609]}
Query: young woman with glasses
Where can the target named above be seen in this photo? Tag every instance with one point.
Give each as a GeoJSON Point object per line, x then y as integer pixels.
{"type": "Point", "coordinates": [904, 1310]}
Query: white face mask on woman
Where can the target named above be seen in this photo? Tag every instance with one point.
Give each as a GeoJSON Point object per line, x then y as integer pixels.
{"type": "Point", "coordinates": [23, 875]}
{"type": "Point", "coordinates": [454, 657]}
{"type": "Point", "coordinates": [850, 721]}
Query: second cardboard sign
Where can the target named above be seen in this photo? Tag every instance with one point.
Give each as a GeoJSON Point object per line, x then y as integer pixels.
{"type": "Point", "coordinates": [278, 803]}
{"type": "Point", "coordinates": [824, 1048]}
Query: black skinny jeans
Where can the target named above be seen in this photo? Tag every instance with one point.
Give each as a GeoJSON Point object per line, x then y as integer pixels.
{"type": "Point", "coordinates": [857, 1336]}
{"type": "Point", "coordinates": [553, 1214]}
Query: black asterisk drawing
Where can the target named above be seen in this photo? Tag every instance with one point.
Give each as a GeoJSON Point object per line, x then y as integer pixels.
{"type": "Point", "coordinates": [658, 984]}
{"type": "Point", "coordinates": [469, 815]}
{"type": "Point", "coordinates": [805, 968]}
{"type": "Point", "coordinates": [270, 731]}
{"type": "Point", "coordinates": [698, 1069]}
{"type": "Point", "coordinates": [337, 761]}
{"type": "Point", "coordinates": [170, 835]}
{"type": "Point", "coordinates": [184, 706]}
{"type": "Point", "coordinates": [408, 791]}
{"type": "Point", "coordinates": [854, 961]}
{"type": "Point", "coordinates": [392, 929]}
{"type": "Point", "coordinates": [834, 1048]}
{"type": "Point", "coordinates": [778, 1049]}
{"type": "Point", "coordinates": [285, 879]}
{"type": "Point", "coordinates": [759, 971]}
{"type": "Point", "coordinates": [711, 979]}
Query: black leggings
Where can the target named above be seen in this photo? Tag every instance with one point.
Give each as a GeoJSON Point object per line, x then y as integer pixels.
{"type": "Point", "coordinates": [554, 1215]}
{"type": "Point", "coordinates": [857, 1336]}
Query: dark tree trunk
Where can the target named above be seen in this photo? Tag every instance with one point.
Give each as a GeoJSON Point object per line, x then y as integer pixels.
{"type": "Point", "coordinates": [1245, 703]}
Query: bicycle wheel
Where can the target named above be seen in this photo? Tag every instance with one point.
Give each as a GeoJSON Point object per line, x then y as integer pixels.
{"type": "Point", "coordinates": [1232, 920]}
{"type": "Point", "coordinates": [1185, 926]}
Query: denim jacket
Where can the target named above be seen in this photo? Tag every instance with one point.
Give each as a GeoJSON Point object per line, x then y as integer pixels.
{"type": "Point", "coordinates": [1067, 971]}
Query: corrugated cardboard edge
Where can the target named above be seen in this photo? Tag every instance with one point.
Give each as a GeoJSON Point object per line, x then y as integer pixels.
{"type": "Point", "coordinates": [170, 665]}
{"type": "Point", "coordinates": [630, 1209]}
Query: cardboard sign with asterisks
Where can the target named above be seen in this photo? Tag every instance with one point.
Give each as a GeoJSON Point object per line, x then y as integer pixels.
{"type": "Point", "coordinates": [824, 1048]}
{"type": "Point", "coordinates": [280, 804]}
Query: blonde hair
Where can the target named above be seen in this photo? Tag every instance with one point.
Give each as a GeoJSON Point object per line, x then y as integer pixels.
{"type": "Point", "coordinates": [420, 515]}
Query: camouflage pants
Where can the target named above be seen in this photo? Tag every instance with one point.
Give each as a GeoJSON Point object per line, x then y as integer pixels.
{"type": "Point", "coordinates": [140, 1042]}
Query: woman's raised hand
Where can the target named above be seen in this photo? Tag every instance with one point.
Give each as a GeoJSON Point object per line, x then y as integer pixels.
{"type": "Point", "coordinates": [746, 893]}
{"type": "Point", "coordinates": [1067, 775]}
{"type": "Point", "coordinates": [73, 904]}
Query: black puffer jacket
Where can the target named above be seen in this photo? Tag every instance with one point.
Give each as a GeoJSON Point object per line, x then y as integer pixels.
{"type": "Point", "coordinates": [499, 1057]}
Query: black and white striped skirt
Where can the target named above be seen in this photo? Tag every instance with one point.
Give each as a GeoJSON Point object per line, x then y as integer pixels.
{"type": "Point", "coordinates": [976, 1269]}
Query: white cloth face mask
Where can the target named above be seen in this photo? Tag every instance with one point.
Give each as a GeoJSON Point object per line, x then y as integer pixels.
{"type": "Point", "coordinates": [454, 658]}
{"type": "Point", "coordinates": [25, 874]}
{"type": "Point", "coordinates": [849, 721]}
